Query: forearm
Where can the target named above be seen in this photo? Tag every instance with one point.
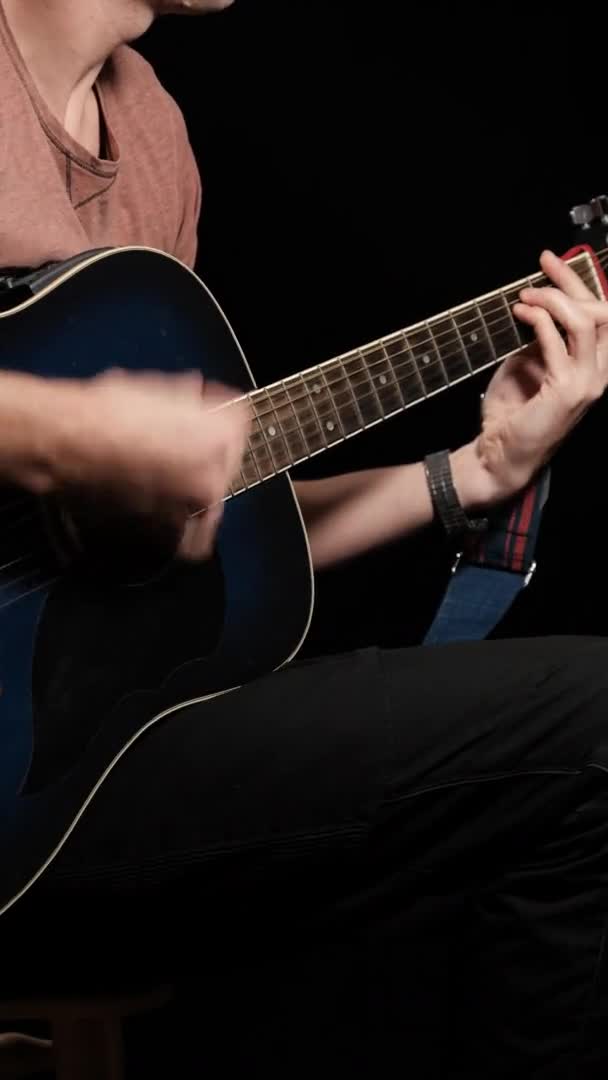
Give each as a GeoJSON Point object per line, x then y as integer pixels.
{"type": "Point", "coordinates": [31, 418]}
{"type": "Point", "coordinates": [349, 514]}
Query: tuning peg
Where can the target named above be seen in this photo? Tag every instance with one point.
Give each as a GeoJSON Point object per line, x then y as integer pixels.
{"type": "Point", "coordinates": [582, 215]}
{"type": "Point", "coordinates": [595, 210]}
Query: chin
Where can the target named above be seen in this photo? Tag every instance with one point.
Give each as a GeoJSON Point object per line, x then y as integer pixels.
{"type": "Point", "coordinates": [193, 7]}
{"type": "Point", "coordinates": [198, 7]}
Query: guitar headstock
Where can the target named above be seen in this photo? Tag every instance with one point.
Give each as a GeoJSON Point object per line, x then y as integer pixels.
{"type": "Point", "coordinates": [590, 221]}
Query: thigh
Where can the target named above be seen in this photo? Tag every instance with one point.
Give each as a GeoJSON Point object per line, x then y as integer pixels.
{"type": "Point", "coordinates": [307, 755]}
{"type": "Point", "coordinates": [310, 789]}
{"type": "Point", "coordinates": [491, 745]}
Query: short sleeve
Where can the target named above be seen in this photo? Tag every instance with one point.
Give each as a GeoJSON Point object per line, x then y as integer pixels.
{"type": "Point", "coordinates": [189, 187]}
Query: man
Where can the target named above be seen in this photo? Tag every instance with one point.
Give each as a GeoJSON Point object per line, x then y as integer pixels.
{"type": "Point", "coordinates": [339, 796]}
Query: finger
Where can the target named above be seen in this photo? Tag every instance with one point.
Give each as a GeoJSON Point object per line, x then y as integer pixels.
{"type": "Point", "coordinates": [218, 395]}
{"type": "Point", "coordinates": [564, 277]}
{"type": "Point", "coordinates": [175, 382]}
{"type": "Point", "coordinates": [574, 317]}
{"type": "Point", "coordinates": [602, 349]}
{"type": "Point", "coordinates": [597, 310]}
{"type": "Point", "coordinates": [111, 373]}
{"type": "Point", "coordinates": [190, 381]}
{"type": "Point", "coordinates": [552, 347]}
{"type": "Point", "coordinates": [200, 533]}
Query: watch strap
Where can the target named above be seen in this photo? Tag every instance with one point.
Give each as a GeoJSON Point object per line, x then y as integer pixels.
{"type": "Point", "coordinates": [447, 505]}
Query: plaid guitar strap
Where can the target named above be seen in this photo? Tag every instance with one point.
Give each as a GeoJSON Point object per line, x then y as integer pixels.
{"type": "Point", "coordinates": [497, 564]}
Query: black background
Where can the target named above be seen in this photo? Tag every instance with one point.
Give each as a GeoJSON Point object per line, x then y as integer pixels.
{"type": "Point", "coordinates": [367, 165]}
{"type": "Point", "coordinates": [364, 166]}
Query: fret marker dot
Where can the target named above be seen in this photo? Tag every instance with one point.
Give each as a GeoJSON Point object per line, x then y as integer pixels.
{"type": "Point", "coordinates": [426, 359]}
{"type": "Point", "coordinates": [330, 425]}
{"type": "Point", "coordinates": [316, 388]}
{"type": "Point", "coordinates": [382, 379]}
{"type": "Point", "coordinates": [272, 432]}
{"type": "Point", "coordinates": [474, 336]}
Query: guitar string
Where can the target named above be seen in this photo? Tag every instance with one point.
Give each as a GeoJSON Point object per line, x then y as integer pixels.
{"type": "Point", "coordinates": [432, 341]}
{"type": "Point", "coordinates": [455, 339]}
{"type": "Point", "coordinates": [427, 343]}
{"type": "Point", "coordinates": [264, 441]}
{"type": "Point", "coordinates": [305, 397]}
{"type": "Point", "coordinates": [269, 443]}
{"type": "Point", "coordinates": [18, 562]}
{"type": "Point", "coordinates": [415, 376]}
{"type": "Point", "coordinates": [27, 574]}
{"type": "Point", "coordinates": [29, 592]}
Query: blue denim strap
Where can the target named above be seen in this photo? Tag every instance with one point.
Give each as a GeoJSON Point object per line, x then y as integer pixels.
{"type": "Point", "coordinates": [492, 569]}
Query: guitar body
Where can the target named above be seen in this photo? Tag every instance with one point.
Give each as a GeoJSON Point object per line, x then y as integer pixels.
{"type": "Point", "coordinates": [96, 647]}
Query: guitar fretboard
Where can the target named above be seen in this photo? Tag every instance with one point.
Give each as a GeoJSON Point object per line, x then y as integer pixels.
{"type": "Point", "coordinates": [304, 414]}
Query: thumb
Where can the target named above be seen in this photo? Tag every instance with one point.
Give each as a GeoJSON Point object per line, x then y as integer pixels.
{"type": "Point", "coordinates": [200, 531]}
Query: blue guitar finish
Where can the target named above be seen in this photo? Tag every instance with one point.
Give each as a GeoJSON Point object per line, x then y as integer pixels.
{"type": "Point", "coordinates": [89, 653]}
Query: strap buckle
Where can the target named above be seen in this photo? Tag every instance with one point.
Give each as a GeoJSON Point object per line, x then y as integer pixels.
{"type": "Point", "coordinates": [527, 579]}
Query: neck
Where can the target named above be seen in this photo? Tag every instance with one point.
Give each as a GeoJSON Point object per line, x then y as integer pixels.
{"type": "Point", "coordinates": [304, 414]}
{"type": "Point", "coordinates": [65, 44]}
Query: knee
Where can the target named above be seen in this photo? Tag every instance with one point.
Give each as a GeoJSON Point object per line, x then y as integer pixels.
{"type": "Point", "coordinates": [577, 685]}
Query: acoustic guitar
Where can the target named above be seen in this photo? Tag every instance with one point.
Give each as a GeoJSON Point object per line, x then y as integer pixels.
{"type": "Point", "coordinates": [104, 631]}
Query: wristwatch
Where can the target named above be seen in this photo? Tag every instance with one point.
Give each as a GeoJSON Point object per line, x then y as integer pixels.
{"type": "Point", "coordinates": [444, 497]}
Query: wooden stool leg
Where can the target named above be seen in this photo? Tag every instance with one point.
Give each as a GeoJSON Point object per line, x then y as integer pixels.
{"type": "Point", "coordinates": [88, 1048]}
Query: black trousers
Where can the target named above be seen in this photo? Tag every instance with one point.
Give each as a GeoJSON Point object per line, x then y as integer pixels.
{"type": "Point", "coordinates": [450, 800]}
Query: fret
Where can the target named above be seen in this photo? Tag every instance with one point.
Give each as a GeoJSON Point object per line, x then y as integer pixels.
{"type": "Point", "coordinates": [383, 378]}
{"type": "Point", "coordinates": [500, 322]}
{"type": "Point", "coordinates": [268, 424]}
{"type": "Point", "coordinates": [477, 349]}
{"type": "Point", "coordinates": [587, 272]}
{"type": "Point", "coordinates": [450, 354]}
{"type": "Point", "coordinates": [296, 445]}
{"type": "Point", "coordinates": [325, 418]}
{"type": "Point", "coordinates": [304, 392]}
{"type": "Point", "coordinates": [260, 447]}
{"type": "Point", "coordinates": [309, 412]}
{"type": "Point", "coordinates": [368, 402]}
{"type": "Point", "coordinates": [258, 459]}
{"type": "Point", "coordinates": [343, 397]}
{"type": "Point", "coordinates": [276, 434]}
{"type": "Point", "coordinates": [428, 359]}
{"type": "Point", "coordinates": [510, 297]}
{"type": "Point", "coordinates": [297, 437]}
{"type": "Point", "coordinates": [405, 369]}
{"type": "Point", "coordinates": [250, 472]}
{"type": "Point", "coordinates": [331, 415]}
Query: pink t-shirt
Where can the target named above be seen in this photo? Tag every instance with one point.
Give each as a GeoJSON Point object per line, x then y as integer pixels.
{"type": "Point", "coordinates": [57, 199]}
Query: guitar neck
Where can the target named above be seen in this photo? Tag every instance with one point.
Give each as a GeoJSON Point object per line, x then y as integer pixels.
{"type": "Point", "coordinates": [310, 412]}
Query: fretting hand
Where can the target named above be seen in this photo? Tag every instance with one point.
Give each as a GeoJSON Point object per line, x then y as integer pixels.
{"type": "Point", "coordinates": [539, 394]}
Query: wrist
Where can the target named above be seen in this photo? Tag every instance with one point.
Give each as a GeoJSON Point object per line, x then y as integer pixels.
{"type": "Point", "coordinates": [33, 410]}
{"type": "Point", "coordinates": [71, 433]}
{"type": "Point", "coordinates": [476, 487]}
